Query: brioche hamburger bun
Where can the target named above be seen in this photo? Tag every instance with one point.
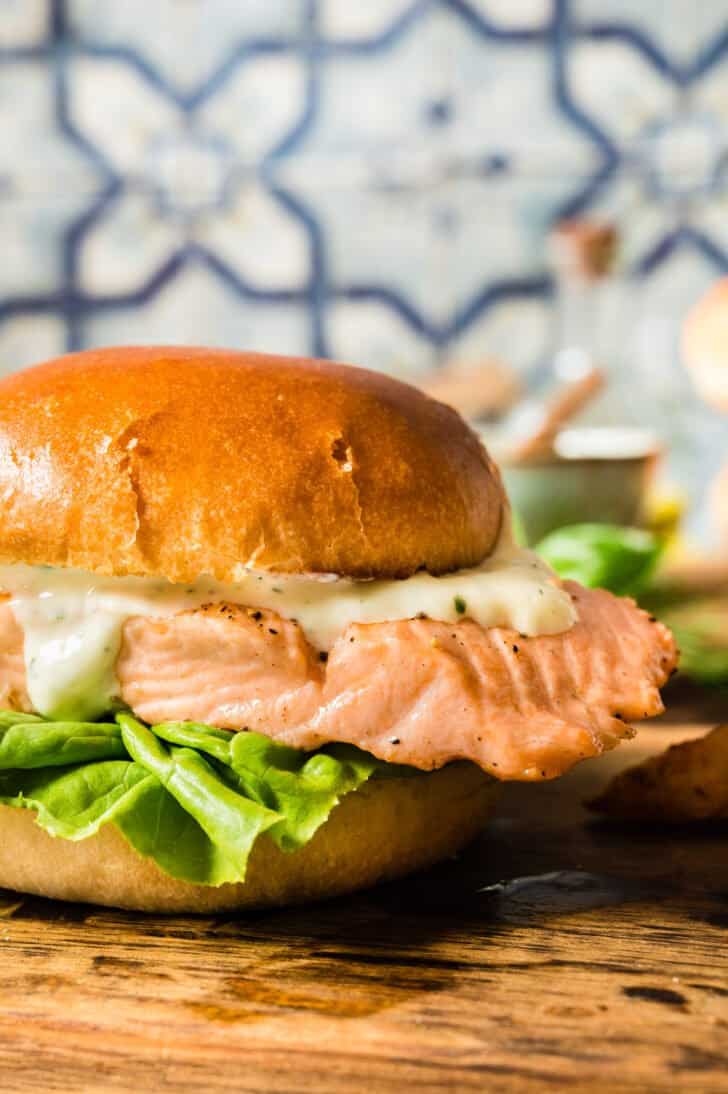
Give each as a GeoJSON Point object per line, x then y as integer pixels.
{"type": "Point", "coordinates": [705, 345]}
{"type": "Point", "coordinates": [388, 828]}
{"type": "Point", "coordinates": [173, 462]}
{"type": "Point", "coordinates": [178, 462]}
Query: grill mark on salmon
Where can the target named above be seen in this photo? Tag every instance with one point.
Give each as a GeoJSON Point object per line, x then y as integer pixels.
{"type": "Point", "coordinates": [413, 691]}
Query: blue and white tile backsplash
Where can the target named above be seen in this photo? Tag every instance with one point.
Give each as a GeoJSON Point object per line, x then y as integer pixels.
{"type": "Point", "coordinates": [367, 179]}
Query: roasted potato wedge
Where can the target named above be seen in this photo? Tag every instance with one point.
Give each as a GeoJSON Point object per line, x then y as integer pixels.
{"type": "Point", "coordinates": [688, 782]}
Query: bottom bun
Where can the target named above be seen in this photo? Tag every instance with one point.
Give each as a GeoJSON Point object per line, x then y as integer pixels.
{"type": "Point", "coordinates": [389, 827]}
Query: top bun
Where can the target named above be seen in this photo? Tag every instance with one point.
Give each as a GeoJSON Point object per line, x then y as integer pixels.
{"type": "Point", "coordinates": [705, 345]}
{"type": "Point", "coordinates": [178, 462]}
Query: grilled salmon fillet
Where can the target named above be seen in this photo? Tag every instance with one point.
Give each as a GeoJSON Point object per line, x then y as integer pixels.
{"type": "Point", "coordinates": [413, 691]}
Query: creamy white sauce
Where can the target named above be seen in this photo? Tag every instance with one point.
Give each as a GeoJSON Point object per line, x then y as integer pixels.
{"type": "Point", "coordinates": [72, 620]}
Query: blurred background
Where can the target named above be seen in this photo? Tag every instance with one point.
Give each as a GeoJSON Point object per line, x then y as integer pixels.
{"type": "Point", "coordinates": [491, 198]}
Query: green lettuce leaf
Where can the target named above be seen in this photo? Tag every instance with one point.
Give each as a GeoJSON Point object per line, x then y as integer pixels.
{"type": "Point", "coordinates": [300, 787]}
{"type": "Point", "coordinates": [74, 802]}
{"type": "Point", "coordinates": [36, 744]}
{"type": "Point", "coordinates": [159, 828]}
{"type": "Point", "coordinates": [230, 820]}
{"type": "Point", "coordinates": [191, 797]}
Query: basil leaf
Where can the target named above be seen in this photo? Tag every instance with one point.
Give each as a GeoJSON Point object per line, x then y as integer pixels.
{"type": "Point", "coordinates": [602, 555]}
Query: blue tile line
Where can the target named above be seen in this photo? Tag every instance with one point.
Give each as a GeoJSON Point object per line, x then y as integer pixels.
{"type": "Point", "coordinates": [712, 54]}
{"type": "Point", "coordinates": [312, 95]}
{"type": "Point", "coordinates": [244, 51]}
{"type": "Point", "coordinates": [538, 286]}
{"type": "Point", "coordinates": [442, 333]}
{"type": "Point", "coordinates": [394, 300]}
{"type": "Point", "coordinates": [194, 251]}
{"type": "Point", "coordinates": [377, 43]}
{"type": "Point", "coordinates": [685, 235]}
{"type": "Point", "coordinates": [486, 27]}
{"type": "Point", "coordinates": [606, 150]}
{"type": "Point", "coordinates": [317, 287]}
{"type": "Point", "coordinates": [316, 292]}
{"type": "Point", "coordinates": [58, 20]}
{"type": "Point", "coordinates": [94, 303]}
{"type": "Point", "coordinates": [634, 37]}
{"type": "Point", "coordinates": [26, 304]}
{"type": "Point", "coordinates": [681, 74]}
{"type": "Point", "coordinates": [42, 52]}
{"type": "Point", "coordinates": [72, 242]}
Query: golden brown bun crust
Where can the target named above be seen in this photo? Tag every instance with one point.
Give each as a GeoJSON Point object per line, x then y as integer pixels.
{"type": "Point", "coordinates": [177, 462]}
{"type": "Point", "coordinates": [388, 828]}
{"type": "Point", "coordinates": [705, 345]}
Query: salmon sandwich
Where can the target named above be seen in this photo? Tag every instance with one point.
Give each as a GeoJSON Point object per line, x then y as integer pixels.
{"type": "Point", "coordinates": [265, 636]}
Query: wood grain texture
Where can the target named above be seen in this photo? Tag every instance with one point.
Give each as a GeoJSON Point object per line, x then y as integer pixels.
{"type": "Point", "coordinates": [556, 954]}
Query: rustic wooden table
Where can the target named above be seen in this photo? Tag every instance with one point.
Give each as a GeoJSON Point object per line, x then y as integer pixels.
{"type": "Point", "coordinates": [556, 954]}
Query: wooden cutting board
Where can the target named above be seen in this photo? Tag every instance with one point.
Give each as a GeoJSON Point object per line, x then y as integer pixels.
{"type": "Point", "coordinates": [556, 954]}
